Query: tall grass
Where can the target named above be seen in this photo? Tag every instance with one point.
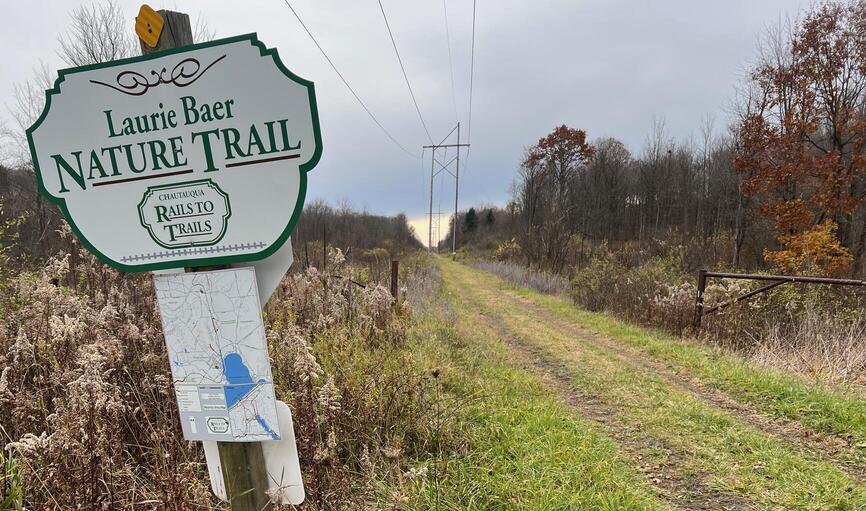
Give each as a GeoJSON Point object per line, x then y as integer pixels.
{"type": "Point", "coordinates": [11, 486]}
{"type": "Point", "coordinates": [522, 276]}
{"type": "Point", "coordinates": [828, 348]}
{"type": "Point", "coordinates": [88, 413]}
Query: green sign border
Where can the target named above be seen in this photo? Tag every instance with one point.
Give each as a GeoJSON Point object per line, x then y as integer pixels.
{"type": "Point", "coordinates": [206, 261]}
{"type": "Point", "coordinates": [225, 218]}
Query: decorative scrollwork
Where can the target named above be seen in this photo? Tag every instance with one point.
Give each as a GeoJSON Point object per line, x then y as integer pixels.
{"type": "Point", "coordinates": [184, 73]}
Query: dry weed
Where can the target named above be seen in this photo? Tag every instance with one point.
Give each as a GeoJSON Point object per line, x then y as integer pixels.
{"type": "Point", "coordinates": [88, 414]}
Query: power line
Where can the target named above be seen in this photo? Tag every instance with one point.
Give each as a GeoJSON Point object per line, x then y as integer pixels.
{"type": "Point", "coordinates": [471, 83]}
{"type": "Point", "coordinates": [405, 76]}
{"type": "Point", "coordinates": [471, 77]}
{"type": "Point", "coordinates": [346, 83]}
{"type": "Point", "coordinates": [450, 62]}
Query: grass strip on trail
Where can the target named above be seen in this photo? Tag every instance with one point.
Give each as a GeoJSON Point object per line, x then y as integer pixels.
{"type": "Point", "coordinates": [818, 407]}
{"type": "Point", "coordinates": [525, 448]}
{"type": "Point", "coordinates": [729, 455]}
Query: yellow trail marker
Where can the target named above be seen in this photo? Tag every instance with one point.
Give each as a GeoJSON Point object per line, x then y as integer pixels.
{"type": "Point", "coordinates": [148, 25]}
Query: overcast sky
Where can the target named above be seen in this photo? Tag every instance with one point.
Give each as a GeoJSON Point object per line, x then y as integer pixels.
{"type": "Point", "coordinates": [608, 67]}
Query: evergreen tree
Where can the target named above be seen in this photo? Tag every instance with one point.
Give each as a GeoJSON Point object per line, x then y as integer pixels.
{"type": "Point", "coordinates": [470, 221]}
{"type": "Point", "coordinates": [489, 219]}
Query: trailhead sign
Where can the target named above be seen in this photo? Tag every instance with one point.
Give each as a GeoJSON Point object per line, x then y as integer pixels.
{"type": "Point", "coordinates": [218, 354]}
{"type": "Point", "coordinates": [187, 157]}
{"type": "Point", "coordinates": [195, 156]}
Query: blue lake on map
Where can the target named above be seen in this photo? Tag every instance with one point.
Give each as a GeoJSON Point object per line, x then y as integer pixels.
{"type": "Point", "coordinates": [239, 377]}
{"type": "Point", "coordinates": [240, 383]}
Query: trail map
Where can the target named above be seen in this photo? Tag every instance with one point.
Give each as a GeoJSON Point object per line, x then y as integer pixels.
{"type": "Point", "coordinates": [218, 353]}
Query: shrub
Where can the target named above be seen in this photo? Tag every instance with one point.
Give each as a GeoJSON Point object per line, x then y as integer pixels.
{"type": "Point", "coordinates": [659, 291]}
{"type": "Point", "coordinates": [816, 251]}
{"type": "Point", "coordinates": [84, 384]}
{"type": "Point", "coordinates": [545, 282]}
{"type": "Point", "coordinates": [8, 237]}
{"type": "Point", "coordinates": [88, 412]}
{"type": "Point", "coordinates": [654, 292]}
{"type": "Point", "coordinates": [507, 250]}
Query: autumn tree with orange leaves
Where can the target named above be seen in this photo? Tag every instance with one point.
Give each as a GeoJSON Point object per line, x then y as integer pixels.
{"type": "Point", "coordinates": [802, 138]}
{"type": "Point", "coordinates": [547, 192]}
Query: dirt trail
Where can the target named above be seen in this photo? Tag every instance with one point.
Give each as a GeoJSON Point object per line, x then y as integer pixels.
{"type": "Point", "coordinates": [554, 348]}
{"type": "Point", "coordinates": [664, 469]}
{"type": "Point", "coordinates": [830, 448]}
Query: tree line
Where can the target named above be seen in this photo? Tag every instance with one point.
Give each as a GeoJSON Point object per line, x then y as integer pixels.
{"type": "Point", "coordinates": [354, 232]}
{"type": "Point", "coordinates": [569, 190]}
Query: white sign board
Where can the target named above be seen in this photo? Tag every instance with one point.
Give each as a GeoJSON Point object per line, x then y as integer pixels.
{"type": "Point", "coordinates": [188, 157]}
{"type": "Point", "coordinates": [218, 353]}
{"type": "Point", "coordinates": [283, 468]}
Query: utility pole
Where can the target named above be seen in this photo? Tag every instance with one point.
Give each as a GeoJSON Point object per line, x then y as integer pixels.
{"type": "Point", "coordinates": [456, 189]}
{"type": "Point", "coordinates": [434, 173]}
{"type": "Point", "coordinates": [430, 236]}
{"type": "Point", "coordinates": [439, 226]}
{"type": "Point", "coordinates": [243, 463]}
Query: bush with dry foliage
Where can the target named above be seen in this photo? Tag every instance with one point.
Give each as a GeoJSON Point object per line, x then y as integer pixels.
{"type": "Point", "coordinates": [813, 330]}
{"type": "Point", "coordinates": [87, 410]}
{"type": "Point", "coordinates": [792, 327]}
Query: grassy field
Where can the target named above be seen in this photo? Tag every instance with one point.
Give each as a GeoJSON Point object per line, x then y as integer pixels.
{"type": "Point", "coordinates": [566, 409]}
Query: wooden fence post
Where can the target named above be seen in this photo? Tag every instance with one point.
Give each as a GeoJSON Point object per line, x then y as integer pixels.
{"type": "Point", "coordinates": [395, 266]}
{"type": "Point", "coordinates": [243, 463]}
{"type": "Point", "coordinates": [699, 299]}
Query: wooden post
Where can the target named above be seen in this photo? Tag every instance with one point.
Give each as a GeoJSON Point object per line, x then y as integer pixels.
{"type": "Point", "coordinates": [244, 473]}
{"type": "Point", "coordinates": [177, 31]}
{"type": "Point", "coordinates": [243, 463]}
{"type": "Point", "coordinates": [395, 266]}
{"type": "Point", "coordinates": [699, 299]}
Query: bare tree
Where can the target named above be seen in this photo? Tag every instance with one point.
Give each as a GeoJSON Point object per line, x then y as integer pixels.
{"type": "Point", "coordinates": [201, 31]}
{"type": "Point", "coordinates": [98, 33]}
{"type": "Point", "coordinates": [607, 187]}
{"type": "Point", "coordinates": [28, 102]}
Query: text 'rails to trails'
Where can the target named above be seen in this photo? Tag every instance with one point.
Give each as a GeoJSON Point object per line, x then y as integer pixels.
{"type": "Point", "coordinates": [86, 165]}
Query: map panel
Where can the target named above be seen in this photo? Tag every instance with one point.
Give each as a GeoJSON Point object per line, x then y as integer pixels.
{"type": "Point", "coordinates": [218, 353]}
